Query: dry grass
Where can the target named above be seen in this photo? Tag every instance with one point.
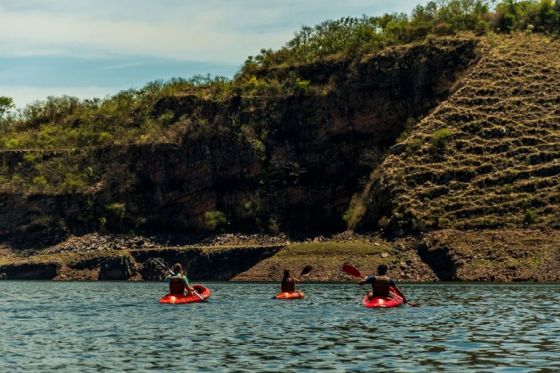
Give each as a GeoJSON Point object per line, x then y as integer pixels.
{"type": "Point", "coordinates": [334, 248]}
{"type": "Point", "coordinates": [326, 257]}
{"type": "Point", "coordinates": [501, 163]}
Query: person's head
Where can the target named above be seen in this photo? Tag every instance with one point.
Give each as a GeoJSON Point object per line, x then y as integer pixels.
{"type": "Point", "coordinates": [177, 268]}
{"type": "Point", "coordinates": [382, 269]}
{"type": "Point", "coordinates": [286, 273]}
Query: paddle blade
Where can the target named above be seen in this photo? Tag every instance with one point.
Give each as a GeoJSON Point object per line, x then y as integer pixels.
{"type": "Point", "coordinates": [413, 304]}
{"type": "Point", "coordinates": [351, 270]}
{"type": "Point", "coordinates": [306, 270]}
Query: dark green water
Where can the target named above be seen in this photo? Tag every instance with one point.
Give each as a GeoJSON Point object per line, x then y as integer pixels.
{"type": "Point", "coordinates": [49, 326]}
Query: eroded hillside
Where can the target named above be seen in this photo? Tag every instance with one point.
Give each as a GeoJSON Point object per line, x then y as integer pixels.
{"type": "Point", "coordinates": [489, 156]}
{"type": "Point", "coordinates": [274, 163]}
{"type": "Point", "coordinates": [323, 159]}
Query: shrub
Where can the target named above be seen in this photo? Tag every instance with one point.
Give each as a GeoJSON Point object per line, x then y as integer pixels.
{"type": "Point", "coordinates": [301, 85]}
{"type": "Point", "coordinates": [13, 143]}
{"type": "Point", "coordinates": [215, 220]}
{"type": "Point", "coordinates": [40, 181]}
{"type": "Point", "coordinates": [530, 217]}
{"type": "Point", "coordinates": [73, 183]}
{"type": "Point", "coordinates": [30, 158]}
{"type": "Point", "coordinates": [413, 146]}
{"type": "Point", "coordinates": [437, 221]}
{"type": "Point", "coordinates": [116, 209]}
{"type": "Point", "coordinates": [355, 212]}
{"type": "Point", "coordinates": [441, 138]}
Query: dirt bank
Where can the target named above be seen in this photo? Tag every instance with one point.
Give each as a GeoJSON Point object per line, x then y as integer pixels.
{"type": "Point", "coordinates": [445, 255]}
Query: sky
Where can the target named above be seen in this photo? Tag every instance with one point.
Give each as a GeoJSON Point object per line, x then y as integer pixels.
{"type": "Point", "coordinates": [93, 48]}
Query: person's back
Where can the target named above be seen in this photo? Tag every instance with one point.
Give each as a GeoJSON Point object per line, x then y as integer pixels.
{"type": "Point", "coordinates": [178, 282]}
{"type": "Point", "coordinates": [288, 283]}
{"type": "Point", "coordinates": [381, 283]}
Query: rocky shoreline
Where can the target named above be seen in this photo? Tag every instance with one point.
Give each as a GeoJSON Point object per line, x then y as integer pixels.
{"type": "Point", "coordinates": [445, 255]}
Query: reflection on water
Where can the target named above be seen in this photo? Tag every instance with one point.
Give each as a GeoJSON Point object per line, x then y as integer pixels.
{"type": "Point", "coordinates": [46, 326]}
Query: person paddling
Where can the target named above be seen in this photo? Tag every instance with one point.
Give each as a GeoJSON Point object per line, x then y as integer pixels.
{"type": "Point", "coordinates": [382, 284]}
{"type": "Point", "coordinates": [178, 282]}
{"type": "Point", "coordinates": [288, 283]}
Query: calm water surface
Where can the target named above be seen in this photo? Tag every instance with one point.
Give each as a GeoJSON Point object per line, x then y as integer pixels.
{"type": "Point", "coordinates": [49, 326]}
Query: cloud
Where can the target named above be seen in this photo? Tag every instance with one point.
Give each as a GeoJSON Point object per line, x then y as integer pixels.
{"type": "Point", "coordinates": [213, 30]}
{"type": "Point", "coordinates": [187, 33]}
{"type": "Point", "coordinates": [96, 47]}
{"type": "Point", "coordinates": [44, 71]}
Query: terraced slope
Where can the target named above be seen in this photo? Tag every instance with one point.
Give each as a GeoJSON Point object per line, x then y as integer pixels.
{"type": "Point", "coordinates": [490, 155]}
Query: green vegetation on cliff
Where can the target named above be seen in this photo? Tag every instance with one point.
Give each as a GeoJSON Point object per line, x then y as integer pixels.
{"type": "Point", "coordinates": [128, 117]}
{"type": "Point", "coordinates": [348, 37]}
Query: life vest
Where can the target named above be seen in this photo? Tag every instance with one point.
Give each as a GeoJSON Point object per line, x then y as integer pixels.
{"type": "Point", "coordinates": [382, 286]}
{"type": "Point", "coordinates": [176, 285]}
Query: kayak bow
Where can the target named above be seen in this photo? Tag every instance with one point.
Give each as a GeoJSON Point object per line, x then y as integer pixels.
{"type": "Point", "coordinates": [203, 294]}
{"type": "Point", "coordinates": [289, 295]}
{"type": "Point", "coordinates": [382, 302]}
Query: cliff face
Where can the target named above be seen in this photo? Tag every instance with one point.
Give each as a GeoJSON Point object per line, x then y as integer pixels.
{"type": "Point", "coordinates": [220, 264]}
{"type": "Point", "coordinates": [288, 163]}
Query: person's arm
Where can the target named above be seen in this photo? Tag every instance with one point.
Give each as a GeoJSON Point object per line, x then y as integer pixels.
{"type": "Point", "coordinates": [170, 274]}
{"type": "Point", "coordinates": [186, 282]}
{"type": "Point", "coordinates": [398, 291]}
{"type": "Point", "coordinates": [368, 280]}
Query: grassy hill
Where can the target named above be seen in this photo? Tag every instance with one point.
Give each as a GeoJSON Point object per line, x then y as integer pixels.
{"type": "Point", "coordinates": [489, 156]}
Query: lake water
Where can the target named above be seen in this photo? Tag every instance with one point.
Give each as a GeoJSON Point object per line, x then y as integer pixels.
{"type": "Point", "coordinates": [78, 326]}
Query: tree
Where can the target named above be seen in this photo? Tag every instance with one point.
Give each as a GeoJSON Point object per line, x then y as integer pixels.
{"type": "Point", "coordinates": [6, 104]}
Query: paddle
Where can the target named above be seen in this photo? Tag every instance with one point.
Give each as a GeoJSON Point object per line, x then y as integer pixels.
{"type": "Point", "coordinates": [173, 274]}
{"type": "Point", "coordinates": [353, 271]}
{"type": "Point", "coordinates": [304, 272]}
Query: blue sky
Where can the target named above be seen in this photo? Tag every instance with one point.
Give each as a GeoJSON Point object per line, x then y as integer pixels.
{"type": "Point", "coordinates": [91, 48]}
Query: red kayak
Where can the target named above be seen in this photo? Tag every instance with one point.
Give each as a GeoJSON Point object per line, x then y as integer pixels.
{"type": "Point", "coordinates": [290, 295]}
{"type": "Point", "coordinates": [203, 291]}
{"type": "Point", "coordinates": [382, 302]}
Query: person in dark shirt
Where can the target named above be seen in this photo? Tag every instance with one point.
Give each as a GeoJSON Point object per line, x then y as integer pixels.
{"type": "Point", "coordinates": [382, 284]}
{"type": "Point", "coordinates": [288, 283]}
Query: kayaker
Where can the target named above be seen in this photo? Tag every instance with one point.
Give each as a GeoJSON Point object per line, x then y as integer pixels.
{"type": "Point", "coordinates": [288, 283]}
{"type": "Point", "coordinates": [382, 284]}
{"type": "Point", "coordinates": [178, 282]}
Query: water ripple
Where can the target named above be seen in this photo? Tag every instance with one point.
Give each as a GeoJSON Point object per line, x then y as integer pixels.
{"type": "Point", "coordinates": [46, 326]}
